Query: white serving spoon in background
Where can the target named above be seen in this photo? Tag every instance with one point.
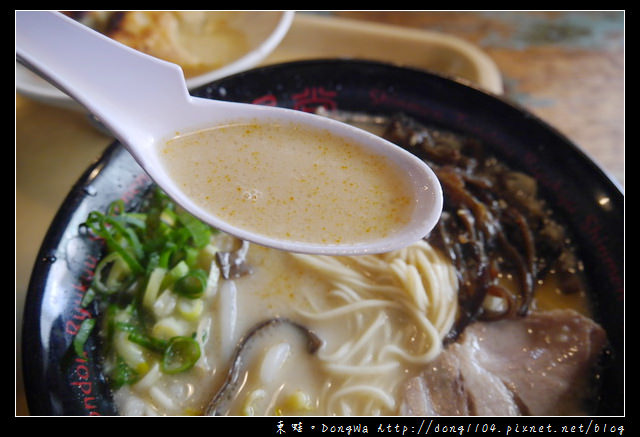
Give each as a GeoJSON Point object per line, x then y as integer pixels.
{"type": "Point", "coordinates": [143, 101]}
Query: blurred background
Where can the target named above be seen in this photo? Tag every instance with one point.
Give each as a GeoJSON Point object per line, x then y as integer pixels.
{"type": "Point", "coordinates": [566, 67]}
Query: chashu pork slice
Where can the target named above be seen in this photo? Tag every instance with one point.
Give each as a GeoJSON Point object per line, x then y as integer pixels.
{"type": "Point", "coordinates": [539, 365]}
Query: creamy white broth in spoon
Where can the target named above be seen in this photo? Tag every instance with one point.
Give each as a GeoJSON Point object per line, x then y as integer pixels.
{"type": "Point", "coordinates": [375, 198]}
{"type": "Point", "coordinates": [291, 183]}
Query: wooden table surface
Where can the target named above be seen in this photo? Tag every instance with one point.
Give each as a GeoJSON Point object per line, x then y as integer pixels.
{"type": "Point", "coordinates": [566, 67]}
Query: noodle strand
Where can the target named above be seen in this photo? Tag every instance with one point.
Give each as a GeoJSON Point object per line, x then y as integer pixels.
{"type": "Point", "coordinates": [415, 286]}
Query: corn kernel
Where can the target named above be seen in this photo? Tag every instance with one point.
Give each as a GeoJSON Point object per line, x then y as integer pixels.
{"type": "Point", "coordinates": [191, 412]}
{"type": "Point", "coordinates": [298, 401]}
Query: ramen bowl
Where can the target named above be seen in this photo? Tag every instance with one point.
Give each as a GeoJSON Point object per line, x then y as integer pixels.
{"type": "Point", "coordinates": [60, 382]}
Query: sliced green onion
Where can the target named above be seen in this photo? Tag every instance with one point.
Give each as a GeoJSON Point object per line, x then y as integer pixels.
{"type": "Point", "coordinates": [88, 297]}
{"type": "Point", "coordinates": [153, 287]}
{"type": "Point", "coordinates": [190, 309]}
{"type": "Point", "coordinates": [191, 256]}
{"type": "Point", "coordinates": [165, 256]}
{"type": "Point", "coordinates": [199, 231]}
{"type": "Point", "coordinates": [163, 248]}
{"type": "Point", "coordinates": [83, 335]}
{"type": "Point", "coordinates": [181, 354]}
{"type": "Point", "coordinates": [117, 209]}
{"type": "Point", "coordinates": [106, 279]}
{"type": "Point", "coordinates": [136, 335]}
{"type": "Point", "coordinates": [168, 216]}
{"type": "Point", "coordinates": [122, 374]}
{"type": "Point", "coordinates": [177, 272]}
{"type": "Point", "coordinates": [151, 343]}
{"type": "Point", "coordinates": [109, 229]}
{"type": "Point", "coordinates": [191, 285]}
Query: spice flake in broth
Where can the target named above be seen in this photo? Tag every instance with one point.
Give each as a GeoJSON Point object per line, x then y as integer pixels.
{"type": "Point", "coordinates": [291, 182]}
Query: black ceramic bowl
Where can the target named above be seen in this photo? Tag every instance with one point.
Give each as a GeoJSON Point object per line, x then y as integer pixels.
{"type": "Point", "coordinates": [59, 383]}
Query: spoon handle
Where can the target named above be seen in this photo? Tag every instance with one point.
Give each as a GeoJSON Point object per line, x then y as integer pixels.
{"type": "Point", "coordinates": [88, 66]}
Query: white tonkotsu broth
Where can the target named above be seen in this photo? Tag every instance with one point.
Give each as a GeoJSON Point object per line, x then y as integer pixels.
{"type": "Point", "coordinates": [291, 182]}
{"type": "Point", "coordinates": [380, 318]}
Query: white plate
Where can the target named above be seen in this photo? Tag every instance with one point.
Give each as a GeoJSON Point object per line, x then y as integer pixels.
{"type": "Point", "coordinates": [264, 31]}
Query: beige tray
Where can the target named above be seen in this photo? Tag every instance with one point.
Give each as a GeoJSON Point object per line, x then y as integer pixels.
{"type": "Point", "coordinates": [320, 36]}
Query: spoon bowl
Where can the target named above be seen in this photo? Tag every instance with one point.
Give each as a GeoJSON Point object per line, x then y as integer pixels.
{"type": "Point", "coordinates": [143, 101]}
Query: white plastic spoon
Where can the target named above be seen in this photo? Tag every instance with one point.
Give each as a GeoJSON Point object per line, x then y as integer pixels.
{"type": "Point", "coordinates": [144, 101]}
